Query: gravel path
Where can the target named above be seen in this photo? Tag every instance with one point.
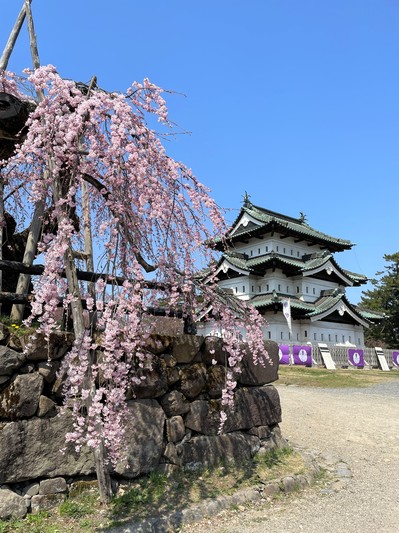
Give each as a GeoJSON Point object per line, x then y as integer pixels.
{"type": "Point", "coordinates": [359, 427]}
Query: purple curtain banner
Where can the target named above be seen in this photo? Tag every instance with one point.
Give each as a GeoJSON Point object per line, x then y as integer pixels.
{"type": "Point", "coordinates": [284, 354]}
{"type": "Point", "coordinates": [302, 355]}
{"type": "Point", "coordinates": [355, 357]}
{"type": "Point", "coordinates": [395, 358]}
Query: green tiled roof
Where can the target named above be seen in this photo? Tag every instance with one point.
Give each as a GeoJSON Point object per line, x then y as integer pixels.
{"type": "Point", "coordinates": [257, 265]}
{"type": "Point", "coordinates": [306, 310]}
{"type": "Point", "coordinates": [272, 221]}
{"type": "Point", "coordinates": [370, 314]}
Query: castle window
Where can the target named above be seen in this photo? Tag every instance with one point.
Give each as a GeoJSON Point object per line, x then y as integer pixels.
{"type": "Point", "coordinates": [235, 288]}
{"type": "Point", "coordinates": [314, 336]}
{"type": "Point", "coordinates": [306, 334]}
{"type": "Point", "coordinates": [258, 250]}
{"type": "Point", "coordinates": [336, 338]}
{"type": "Point", "coordinates": [288, 289]}
{"type": "Point", "coordinates": [343, 338]}
{"type": "Point", "coordinates": [322, 336]}
{"type": "Point", "coordinates": [329, 338]}
{"type": "Point", "coordinates": [243, 288]}
{"type": "Point", "coordinates": [292, 252]}
{"type": "Point", "coordinates": [279, 287]}
{"type": "Point", "coordinates": [350, 338]}
{"type": "Point", "coordinates": [297, 289]}
{"type": "Point", "coordinates": [267, 287]}
{"type": "Point", "coordinates": [267, 248]}
{"type": "Point", "coordinates": [281, 334]}
{"type": "Point", "coordinates": [252, 252]}
{"type": "Point", "coordinates": [297, 253]}
{"type": "Point", "coordinates": [307, 290]}
{"type": "Point", "coordinates": [253, 288]}
{"type": "Point", "coordinates": [259, 289]}
{"type": "Point", "coordinates": [314, 290]}
{"type": "Point", "coordinates": [269, 334]}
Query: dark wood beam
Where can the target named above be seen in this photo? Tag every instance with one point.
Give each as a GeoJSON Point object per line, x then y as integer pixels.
{"type": "Point", "coordinates": [37, 270]}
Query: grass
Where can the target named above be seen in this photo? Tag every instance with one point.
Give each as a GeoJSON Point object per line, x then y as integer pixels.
{"type": "Point", "coordinates": [339, 378]}
{"type": "Point", "coordinates": [17, 330]}
{"type": "Point", "coordinates": [156, 494]}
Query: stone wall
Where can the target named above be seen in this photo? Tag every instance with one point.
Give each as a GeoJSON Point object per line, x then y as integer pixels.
{"type": "Point", "coordinates": [175, 416]}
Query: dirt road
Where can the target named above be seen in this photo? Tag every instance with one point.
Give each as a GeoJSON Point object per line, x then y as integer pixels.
{"type": "Point", "coordinates": [359, 427]}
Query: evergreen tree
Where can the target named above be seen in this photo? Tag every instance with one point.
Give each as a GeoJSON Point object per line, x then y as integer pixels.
{"type": "Point", "coordinates": [384, 298]}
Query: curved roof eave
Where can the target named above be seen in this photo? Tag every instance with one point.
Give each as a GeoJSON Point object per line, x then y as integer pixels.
{"type": "Point", "coordinates": [272, 221]}
{"type": "Point", "coordinates": [226, 265]}
{"type": "Point", "coordinates": [330, 266]}
{"type": "Point", "coordinates": [338, 303]}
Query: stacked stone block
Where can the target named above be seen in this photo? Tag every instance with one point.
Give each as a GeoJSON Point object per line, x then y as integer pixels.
{"type": "Point", "coordinates": [174, 424]}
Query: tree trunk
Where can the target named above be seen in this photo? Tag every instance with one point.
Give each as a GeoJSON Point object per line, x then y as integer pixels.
{"type": "Point", "coordinates": [103, 475]}
{"type": "Point", "coordinates": [102, 472]}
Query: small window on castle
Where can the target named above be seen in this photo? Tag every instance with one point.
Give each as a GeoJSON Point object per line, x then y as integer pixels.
{"type": "Point", "coordinates": [253, 288]}
{"type": "Point", "coordinates": [276, 248]}
{"type": "Point", "coordinates": [281, 334]}
{"type": "Point", "coordinates": [314, 290]}
{"type": "Point", "coordinates": [306, 333]}
{"type": "Point", "coordinates": [314, 336]}
{"type": "Point", "coordinates": [297, 254]}
{"type": "Point", "coordinates": [252, 252]}
{"type": "Point", "coordinates": [322, 336]}
{"type": "Point", "coordinates": [235, 288]}
{"type": "Point", "coordinates": [350, 338]}
{"type": "Point", "coordinates": [297, 289]}
{"type": "Point", "coordinates": [279, 287]}
{"type": "Point", "coordinates": [297, 336]}
{"type": "Point", "coordinates": [267, 248]}
{"type": "Point", "coordinates": [336, 338]}
{"type": "Point", "coordinates": [329, 338]}
{"type": "Point", "coordinates": [267, 287]}
{"type": "Point", "coordinates": [288, 289]}
{"type": "Point", "coordinates": [258, 250]}
{"type": "Point", "coordinates": [292, 252]}
{"type": "Point", "coordinates": [343, 338]}
{"type": "Point", "coordinates": [358, 341]}
{"type": "Point", "coordinates": [307, 290]}
{"type": "Point", "coordinates": [243, 288]}
{"type": "Point", "coordinates": [269, 334]}
{"type": "Point", "coordinates": [283, 250]}
{"type": "Point", "coordinates": [259, 288]}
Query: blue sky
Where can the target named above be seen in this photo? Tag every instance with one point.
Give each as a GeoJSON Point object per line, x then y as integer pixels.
{"type": "Point", "coordinates": [295, 102]}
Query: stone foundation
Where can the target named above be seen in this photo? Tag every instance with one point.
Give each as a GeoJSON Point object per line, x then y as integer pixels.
{"type": "Point", "coordinates": [175, 411]}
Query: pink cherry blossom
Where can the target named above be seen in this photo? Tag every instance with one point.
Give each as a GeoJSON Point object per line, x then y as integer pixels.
{"type": "Point", "coordinates": [151, 221]}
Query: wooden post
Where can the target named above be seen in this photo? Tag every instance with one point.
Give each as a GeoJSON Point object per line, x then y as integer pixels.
{"type": "Point", "coordinates": [3, 65]}
{"type": "Point", "coordinates": [88, 240]}
{"type": "Point", "coordinates": [17, 311]}
{"type": "Point", "coordinates": [5, 57]}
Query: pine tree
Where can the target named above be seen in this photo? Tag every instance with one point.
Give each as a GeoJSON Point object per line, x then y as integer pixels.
{"type": "Point", "coordinates": [384, 298]}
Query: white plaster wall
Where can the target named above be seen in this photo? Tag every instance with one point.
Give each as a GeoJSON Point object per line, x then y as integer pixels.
{"type": "Point", "coordinates": [256, 247]}
{"type": "Point", "coordinates": [302, 332]}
